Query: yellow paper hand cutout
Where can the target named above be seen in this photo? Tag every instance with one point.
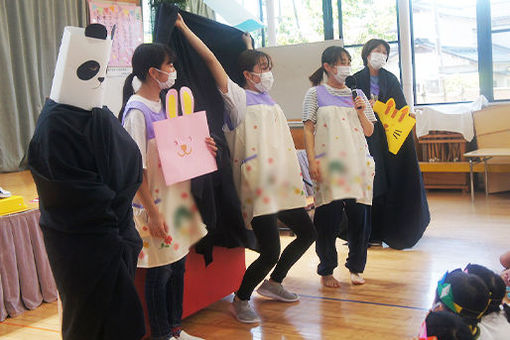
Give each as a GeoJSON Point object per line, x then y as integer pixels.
{"type": "Point", "coordinates": [397, 123]}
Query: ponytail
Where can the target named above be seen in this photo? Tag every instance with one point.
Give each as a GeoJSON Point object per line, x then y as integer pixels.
{"type": "Point", "coordinates": [317, 76]}
{"type": "Point", "coordinates": [127, 92]}
{"type": "Point", "coordinates": [331, 56]}
{"type": "Point", "coordinates": [144, 57]}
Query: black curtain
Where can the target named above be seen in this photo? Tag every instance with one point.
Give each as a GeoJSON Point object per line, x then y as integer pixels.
{"type": "Point", "coordinates": [215, 193]}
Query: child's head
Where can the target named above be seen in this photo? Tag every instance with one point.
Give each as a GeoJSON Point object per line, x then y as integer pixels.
{"type": "Point", "coordinates": [494, 282]}
{"type": "Point", "coordinates": [255, 67]}
{"type": "Point", "coordinates": [152, 63]}
{"type": "Point", "coordinates": [335, 62]}
{"type": "Point", "coordinates": [445, 326]}
{"type": "Point", "coordinates": [463, 294]}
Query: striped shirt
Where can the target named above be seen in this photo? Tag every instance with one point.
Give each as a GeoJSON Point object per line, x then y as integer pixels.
{"type": "Point", "coordinates": [311, 104]}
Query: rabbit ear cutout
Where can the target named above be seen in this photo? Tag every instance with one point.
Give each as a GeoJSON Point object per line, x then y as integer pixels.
{"type": "Point", "coordinates": [187, 100]}
{"type": "Point", "coordinates": [171, 103]}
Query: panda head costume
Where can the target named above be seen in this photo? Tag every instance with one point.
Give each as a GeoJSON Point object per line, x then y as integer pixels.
{"type": "Point", "coordinates": [80, 72]}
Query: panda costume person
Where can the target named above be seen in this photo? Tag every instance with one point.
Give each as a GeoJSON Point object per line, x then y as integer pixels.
{"type": "Point", "coordinates": [87, 169]}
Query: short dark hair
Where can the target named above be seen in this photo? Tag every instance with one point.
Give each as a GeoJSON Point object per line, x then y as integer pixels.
{"type": "Point", "coordinates": [249, 58]}
{"type": "Point", "coordinates": [467, 291]}
{"type": "Point", "coordinates": [447, 326]}
{"type": "Point", "coordinates": [494, 282]}
{"type": "Point", "coordinates": [372, 44]}
{"type": "Point", "coordinates": [144, 57]}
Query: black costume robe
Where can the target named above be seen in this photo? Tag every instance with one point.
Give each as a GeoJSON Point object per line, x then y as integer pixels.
{"type": "Point", "coordinates": [400, 212]}
{"type": "Point", "coordinates": [87, 170]}
{"type": "Point", "coordinates": [215, 194]}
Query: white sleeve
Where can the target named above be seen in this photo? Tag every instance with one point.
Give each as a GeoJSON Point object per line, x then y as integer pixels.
{"type": "Point", "coordinates": [369, 112]}
{"type": "Point", "coordinates": [310, 105]}
{"type": "Point", "coordinates": [235, 103]}
{"type": "Point", "coordinates": [134, 124]}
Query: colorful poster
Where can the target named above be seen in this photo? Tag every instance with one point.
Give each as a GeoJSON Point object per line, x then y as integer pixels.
{"type": "Point", "coordinates": [128, 31]}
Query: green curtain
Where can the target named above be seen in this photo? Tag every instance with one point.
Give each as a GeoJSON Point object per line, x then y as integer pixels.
{"type": "Point", "coordinates": [30, 34]}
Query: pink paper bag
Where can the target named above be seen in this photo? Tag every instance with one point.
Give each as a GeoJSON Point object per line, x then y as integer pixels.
{"type": "Point", "coordinates": [182, 149]}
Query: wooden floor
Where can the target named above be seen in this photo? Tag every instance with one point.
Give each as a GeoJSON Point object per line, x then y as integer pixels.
{"type": "Point", "coordinates": [399, 289]}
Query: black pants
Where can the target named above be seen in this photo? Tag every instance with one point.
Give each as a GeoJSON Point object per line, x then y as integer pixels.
{"type": "Point", "coordinates": [266, 230]}
{"type": "Point", "coordinates": [327, 220]}
{"type": "Point", "coordinates": [377, 218]}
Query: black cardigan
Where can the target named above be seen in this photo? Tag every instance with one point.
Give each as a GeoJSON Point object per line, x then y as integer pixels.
{"type": "Point", "coordinates": [400, 212]}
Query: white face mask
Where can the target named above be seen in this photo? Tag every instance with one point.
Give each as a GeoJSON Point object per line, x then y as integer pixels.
{"type": "Point", "coordinates": [169, 82]}
{"type": "Point", "coordinates": [342, 72]}
{"type": "Point", "coordinates": [377, 60]}
{"type": "Point", "coordinates": [266, 81]}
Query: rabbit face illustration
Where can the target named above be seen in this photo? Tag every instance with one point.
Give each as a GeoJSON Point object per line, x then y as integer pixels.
{"type": "Point", "coordinates": [184, 146]}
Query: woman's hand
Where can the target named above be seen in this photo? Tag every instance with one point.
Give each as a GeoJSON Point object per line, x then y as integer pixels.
{"type": "Point", "coordinates": [157, 225]}
{"type": "Point", "coordinates": [315, 172]}
{"type": "Point", "coordinates": [359, 105]}
{"type": "Point", "coordinates": [247, 40]}
{"type": "Point", "coordinates": [506, 277]}
{"type": "Point", "coordinates": [211, 145]}
{"type": "Point", "coordinates": [179, 23]}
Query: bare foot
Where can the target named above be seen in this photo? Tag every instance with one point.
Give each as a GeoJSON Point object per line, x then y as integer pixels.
{"type": "Point", "coordinates": [330, 282]}
{"type": "Point", "coordinates": [357, 279]}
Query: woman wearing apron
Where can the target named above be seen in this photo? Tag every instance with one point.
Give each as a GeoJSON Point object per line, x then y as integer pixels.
{"type": "Point", "coordinates": [340, 164]}
{"type": "Point", "coordinates": [266, 173]}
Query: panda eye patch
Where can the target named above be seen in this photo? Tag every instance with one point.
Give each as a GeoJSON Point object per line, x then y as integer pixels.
{"type": "Point", "coordinates": [88, 70]}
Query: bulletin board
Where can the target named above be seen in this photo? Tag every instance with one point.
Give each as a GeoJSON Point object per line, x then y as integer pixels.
{"type": "Point", "coordinates": [129, 28]}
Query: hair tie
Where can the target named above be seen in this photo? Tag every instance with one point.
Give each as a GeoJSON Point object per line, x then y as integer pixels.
{"type": "Point", "coordinates": [136, 82]}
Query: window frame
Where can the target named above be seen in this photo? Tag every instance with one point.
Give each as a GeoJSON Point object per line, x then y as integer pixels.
{"type": "Point", "coordinates": [484, 50]}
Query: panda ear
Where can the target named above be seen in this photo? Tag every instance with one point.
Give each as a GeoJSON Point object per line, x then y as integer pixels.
{"type": "Point", "coordinates": [97, 31]}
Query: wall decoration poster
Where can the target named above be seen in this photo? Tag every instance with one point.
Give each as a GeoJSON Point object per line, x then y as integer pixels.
{"type": "Point", "coordinates": [128, 32]}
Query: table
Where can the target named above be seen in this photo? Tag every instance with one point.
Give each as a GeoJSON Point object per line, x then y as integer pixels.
{"type": "Point", "coordinates": [26, 279]}
{"type": "Point", "coordinates": [484, 155]}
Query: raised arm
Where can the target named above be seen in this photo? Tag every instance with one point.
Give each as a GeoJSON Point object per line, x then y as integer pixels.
{"type": "Point", "coordinates": [219, 74]}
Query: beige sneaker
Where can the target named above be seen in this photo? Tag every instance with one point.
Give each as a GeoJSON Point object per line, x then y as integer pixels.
{"type": "Point", "coordinates": [244, 312]}
{"type": "Point", "coordinates": [276, 291]}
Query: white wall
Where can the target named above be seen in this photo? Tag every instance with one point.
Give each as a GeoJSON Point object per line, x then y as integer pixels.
{"type": "Point", "coordinates": [114, 82]}
{"type": "Point", "coordinates": [292, 65]}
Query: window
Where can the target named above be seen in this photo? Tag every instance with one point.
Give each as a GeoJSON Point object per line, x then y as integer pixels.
{"type": "Point", "coordinates": [298, 21]}
{"type": "Point", "coordinates": [500, 29]}
{"type": "Point", "coordinates": [253, 7]}
{"type": "Point", "coordinates": [147, 21]}
{"type": "Point", "coordinates": [365, 20]}
{"type": "Point", "coordinates": [445, 51]}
